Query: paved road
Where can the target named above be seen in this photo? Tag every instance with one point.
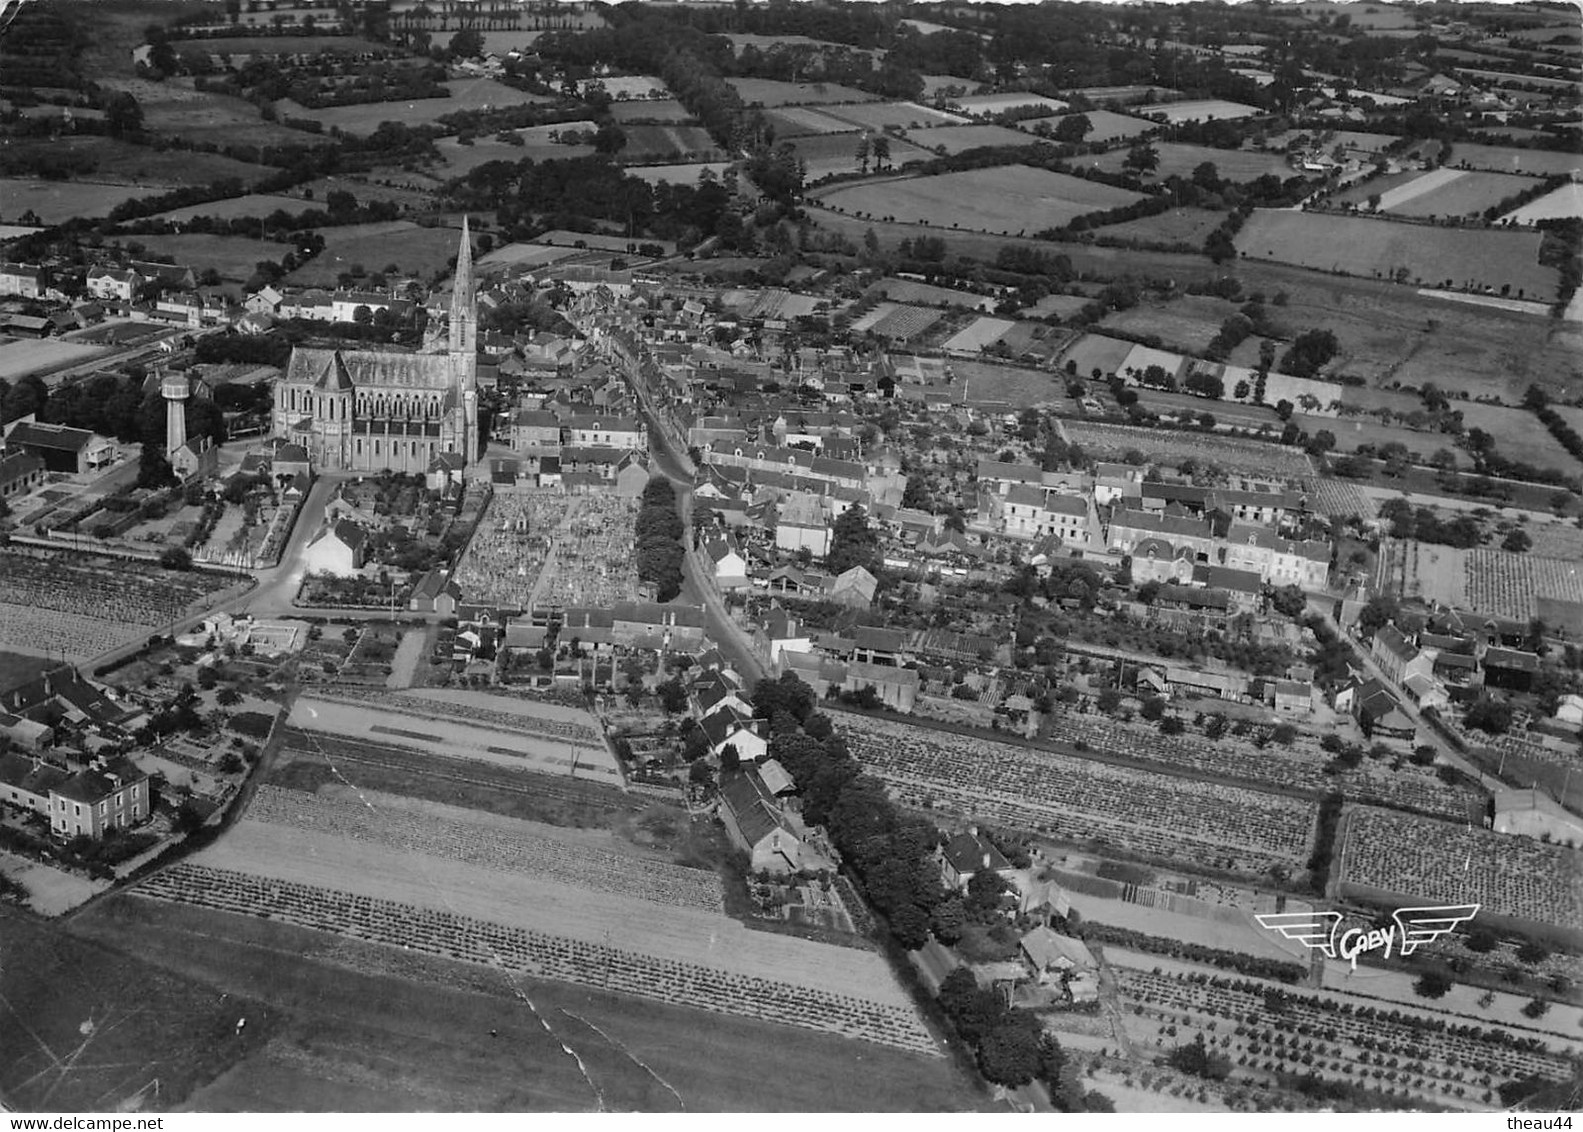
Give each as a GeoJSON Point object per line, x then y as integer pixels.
{"type": "Point", "coordinates": [673, 463]}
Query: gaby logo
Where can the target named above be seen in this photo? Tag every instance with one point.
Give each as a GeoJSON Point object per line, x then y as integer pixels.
{"type": "Point", "coordinates": [1413, 928]}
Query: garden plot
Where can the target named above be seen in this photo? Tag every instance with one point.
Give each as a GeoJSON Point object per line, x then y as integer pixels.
{"type": "Point", "coordinates": [1300, 766]}
{"type": "Point", "coordinates": [1447, 192]}
{"type": "Point", "coordinates": [522, 922]}
{"type": "Point", "coordinates": [1008, 199]}
{"type": "Point", "coordinates": [1511, 585]}
{"type": "Point", "coordinates": [552, 721]}
{"type": "Point", "coordinates": [1073, 799]}
{"type": "Point", "coordinates": [540, 549]}
{"type": "Point", "coordinates": [417, 728]}
{"type": "Point", "coordinates": [1454, 258]}
{"type": "Point", "coordinates": [1227, 452]}
{"type": "Point", "coordinates": [84, 607]}
{"type": "Point", "coordinates": [1392, 855]}
{"type": "Point", "coordinates": [1564, 202]}
{"type": "Point", "coordinates": [1105, 125]}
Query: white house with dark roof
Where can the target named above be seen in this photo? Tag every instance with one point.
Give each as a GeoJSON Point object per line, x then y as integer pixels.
{"type": "Point", "coordinates": [774, 837]}
{"type": "Point", "coordinates": [338, 549]}
{"type": "Point", "coordinates": [966, 854]}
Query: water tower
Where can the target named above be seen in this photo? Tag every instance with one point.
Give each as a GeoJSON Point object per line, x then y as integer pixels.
{"type": "Point", "coordinates": [175, 390]}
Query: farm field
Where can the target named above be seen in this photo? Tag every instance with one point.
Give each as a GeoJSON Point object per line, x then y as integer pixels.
{"type": "Point", "coordinates": [537, 141]}
{"type": "Point", "coordinates": [445, 882]}
{"type": "Point", "coordinates": [911, 291]}
{"type": "Point", "coordinates": [1411, 253]}
{"type": "Point", "coordinates": [908, 115]}
{"type": "Point", "coordinates": [988, 105]}
{"type": "Point", "coordinates": [482, 734]}
{"type": "Point", "coordinates": [993, 383]}
{"type": "Point", "coordinates": [799, 121]}
{"type": "Point", "coordinates": [829, 154]}
{"type": "Point", "coordinates": [667, 143]}
{"type": "Point", "coordinates": [364, 118]}
{"type": "Point", "coordinates": [957, 139]}
{"type": "Point", "coordinates": [1505, 159]}
{"type": "Point", "coordinates": [1518, 434]}
{"type": "Point", "coordinates": [1391, 333]}
{"type": "Point", "coordinates": [1237, 165]}
{"type": "Point", "coordinates": [204, 116]}
{"type": "Point", "coordinates": [1106, 125]}
{"type": "Point", "coordinates": [1353, 432]}
{"type": "Point", "coordinates": [22, 356]}
{"type": "Point", "coordinates": [1565, 201]}
{"type": "Point", "coordinates": [1231, 453]}
{"type": "Point", "coordinates": [1124, 94]}
{"type": "Point", "coordinates": [687, 173]}
{"type": "Point", "coordinates": [1398, 854]}
{"type": "Point", "coordinates": [287, 45]}
{"type": "Point", "coordinates": [1008, 198]}
{"type": "Point", "coordinates": [772, 93]}
{"type": "Point", "coordinates": [1179, 226]}
{"type": "Point", "coordinates": [119, 162]}
{"type": "Point", "coordinates": [1074, 799]}
{"type": "Point", "coordinates": [1451, 192]}
{"type": "Point", "coordinates": [234, 257]}
{"type": "Point", "coordinates": [413, 249]}
{"type": "Point", "coordinates": [359, 1026]}
{"type": "Point", "coordinates": [1198, 110]}
{"type": "Point", "coordinates": [252, 204]}
{"type": "Point", "coordinates": [632, 88]}
{"type": "Point", "coordinates": [649, 110]}
{"type": "Point", "coordinates": [56, 201]}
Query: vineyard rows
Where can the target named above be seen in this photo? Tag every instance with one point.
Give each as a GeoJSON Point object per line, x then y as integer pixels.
{"type": "Point", "coordinates": [1437, 861]}
{"type": "Point", "coordinates": [577, 733]}
{"type": "Point", "coordinates": [1304, 1034]}
{"type": "Point", "coordinates": [1339, 498]}
{"type": "Point", "coordinates": [1506, 584]}
{"type": "Point", "coordinates": [1300, 766]}
{"type": "Point", "coordinates": [118, 592]}
{"type": "Point", "coordinates": [1226, 827]}
{"type": "Point", "coordinates": [539, 955]}
{"type": "Point", "coordinates": [580, 866]}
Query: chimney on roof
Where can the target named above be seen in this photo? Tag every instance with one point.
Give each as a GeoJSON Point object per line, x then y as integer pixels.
{"type": "Point", "coordinates": [986, 860]}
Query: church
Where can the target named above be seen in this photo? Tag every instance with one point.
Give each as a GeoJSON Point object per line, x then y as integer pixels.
{"type": "Point", "coordinates": [369, 410]}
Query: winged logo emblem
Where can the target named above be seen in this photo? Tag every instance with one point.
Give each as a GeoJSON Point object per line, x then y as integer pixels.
{"type": "Point", "coordinates": [1412, 928]}
{"type": "Point", "coordinates": [1425, 925]}
{"type": "Point", "coordinates": [1314, 930]}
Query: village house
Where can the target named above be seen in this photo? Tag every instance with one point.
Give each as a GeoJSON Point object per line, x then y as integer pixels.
{"type": "Point", "coordinates": [966, 854]}
{"type": "Point", "coordinates": [774, 837]}
{"type": "Point", "coordinates": [338, 549]}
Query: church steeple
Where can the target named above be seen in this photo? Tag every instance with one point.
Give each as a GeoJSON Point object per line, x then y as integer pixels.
{"type": "Point", "coordinates": [463, 325]}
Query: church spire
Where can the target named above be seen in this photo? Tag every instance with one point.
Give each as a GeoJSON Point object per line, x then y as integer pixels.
{"type": "Point", "coordinates": [463, 331]}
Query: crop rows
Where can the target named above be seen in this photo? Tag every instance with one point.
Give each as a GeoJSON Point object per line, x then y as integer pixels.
{"type": "Point", "coordinates": [1339, 498]}
{"type": "Point", "coordinates": [118, 591]}
{"type": "Point", "coordinates": [580, 866]}
{"type": "Point", "coordinates": [1305, 1034]}
{"type": "Point", "coordinates": [1506, 584]}
{"type": "Point", "coordinates": [568, 729]}
{"type": "Point", "coordinates": [538, 954]}
{"type": "Point", "coordinates": [1224, 826]}
{"type": "Point", "coordinates": [1300, 766]}
{"type": "Point", "coordinates": [1224, 451]}
{"type": "Point", "coordinates": [440, 768]}
{"type": "Point", "coordinates": [1441, 862]}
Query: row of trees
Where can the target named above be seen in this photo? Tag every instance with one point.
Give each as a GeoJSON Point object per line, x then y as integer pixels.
{"type": "Point", "coordinates": [659, 539]}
